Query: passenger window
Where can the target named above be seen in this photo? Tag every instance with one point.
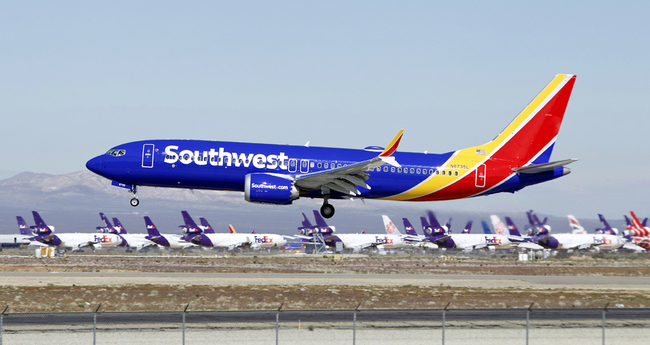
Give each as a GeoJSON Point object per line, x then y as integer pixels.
{"type": "Point", "coordinates": [385, 169]}
{"type": "Point", "coordinates": [443, 172]}
{"type": "Point", "coordinates": [392, 169]}
{"type": "Point", "coordinates": [399, 170]}
{"type": "Point", "coordinates": [311, 165]}
{"type": "Point", "coordinates": [412, 170]}
{"type": "Point", "coordinates": [339, 165]}
{"type": "Point", "coordinates": [456, 173]}
{"type": "Point", "coordinates": [430, 171]}
{"type": "Point", "coordinates": [320, 165]}
{"type": "Point", "coordinates": [327, 165]}
{"type": "Point", "coordinates": [418, 170]}
{"type": "Point", "coordinates": [304, 164]}
{"type": "Point", "coordinates": [293, 163]}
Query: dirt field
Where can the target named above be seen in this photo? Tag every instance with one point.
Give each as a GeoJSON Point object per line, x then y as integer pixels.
{"type": "Point", "coordinates": [132, 294]}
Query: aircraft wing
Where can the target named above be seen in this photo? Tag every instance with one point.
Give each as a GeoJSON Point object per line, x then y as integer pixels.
{"type": "Point", "coordinates": [585, 245]}
{"type": "Point", "coordinates": [411, 238]}
{"type": "Point", "coordinates": [633, 246]}
{"type": "Point", "coordinates": [347, 178]}
{"type": "Point", "coordinates": [530, 245]}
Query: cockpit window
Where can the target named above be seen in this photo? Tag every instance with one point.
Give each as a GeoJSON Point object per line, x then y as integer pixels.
{"type": "Point", "coordinates": [116, 153]}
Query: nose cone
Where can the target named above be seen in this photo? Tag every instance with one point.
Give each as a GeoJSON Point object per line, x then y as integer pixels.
{"type": "Point", "coordinates": [95, 165]}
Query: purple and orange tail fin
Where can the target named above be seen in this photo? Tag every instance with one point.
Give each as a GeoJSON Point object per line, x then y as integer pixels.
{"type": "Point", "coordinates": [22, 226]}
{"type": "Point", "coordinates": [207, 228]}
{"type": "Point", "coordinates": [119, 227]}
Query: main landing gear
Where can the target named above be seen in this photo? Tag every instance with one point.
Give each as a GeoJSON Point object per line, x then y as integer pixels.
{"type": "Point", "coordinates": [327, 210]}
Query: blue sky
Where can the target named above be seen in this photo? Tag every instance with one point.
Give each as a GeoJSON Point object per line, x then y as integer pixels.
{"type": "Point", "coordinates": [81, 77]}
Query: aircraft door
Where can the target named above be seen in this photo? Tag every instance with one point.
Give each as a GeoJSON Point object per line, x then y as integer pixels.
{"type": "Point", "coordinates": [293, 165]}
{"type": "Point", "coordinates": [304, 166]}
{"type": "Point", "coordinates": [147, 155]}
{"type": "Point", "coordinates": [480, 176]}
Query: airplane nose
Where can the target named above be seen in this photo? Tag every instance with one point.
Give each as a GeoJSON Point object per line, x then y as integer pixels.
{"type": "Point", "coordinates": [94, 164]}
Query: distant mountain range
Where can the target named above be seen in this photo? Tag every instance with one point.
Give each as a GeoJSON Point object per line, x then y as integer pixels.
{"type": "Point", "coordinates": [71, 202]}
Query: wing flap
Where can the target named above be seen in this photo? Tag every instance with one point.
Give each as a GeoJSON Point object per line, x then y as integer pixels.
{"type": "Point", "coordinates": [347, 178]}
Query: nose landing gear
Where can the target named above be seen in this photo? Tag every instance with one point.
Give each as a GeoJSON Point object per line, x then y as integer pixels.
{"type": "Point", "coordinates": [134, 202]}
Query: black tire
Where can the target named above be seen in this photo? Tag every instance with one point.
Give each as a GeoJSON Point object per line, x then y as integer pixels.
{"type": "Point", "coordinates": [135, 202]}
{"type": "Point", "coordinates": [327, 211]}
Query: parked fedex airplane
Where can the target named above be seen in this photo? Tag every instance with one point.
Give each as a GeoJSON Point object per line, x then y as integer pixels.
{"type": "Point", "coordinates": [232, 240]}
{"type": "Point", "coordinates": [7, 241]}
{"type": "Point", "coordinates": [75, 241]}
{"type": "Point", "coordinates": [578, 241]}
{"type": "Point", "coordinates": [355, 242]}
{"type": "Point", "coordinates": [465, 241]}
{"type": "Point", "coordinates": [165, 240]}
{"type": "Point", "coordinates": [131, 241]}
{"type": "Point", "coordinates": [279, 174]}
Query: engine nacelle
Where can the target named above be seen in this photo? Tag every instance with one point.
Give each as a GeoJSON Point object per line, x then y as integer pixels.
{"type": "Point", "coordinates": [269, 189]}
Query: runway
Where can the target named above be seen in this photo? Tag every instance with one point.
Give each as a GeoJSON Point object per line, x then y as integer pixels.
{"type": "Point", "coordinates": [224, 279]}
{"type": "Point", "coordinates": [293, 316]}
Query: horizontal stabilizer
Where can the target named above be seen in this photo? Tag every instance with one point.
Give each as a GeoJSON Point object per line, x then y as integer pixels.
{"type": "Point", "coordinates": [544, 167]}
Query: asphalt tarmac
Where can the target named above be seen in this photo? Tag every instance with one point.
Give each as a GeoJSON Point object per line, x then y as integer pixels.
{"type": "Point", "coordinates": [223, 279]}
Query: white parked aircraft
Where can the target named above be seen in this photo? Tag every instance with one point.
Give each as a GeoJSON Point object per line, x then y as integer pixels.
{"type": "Point", "coordinates": [75, 241]}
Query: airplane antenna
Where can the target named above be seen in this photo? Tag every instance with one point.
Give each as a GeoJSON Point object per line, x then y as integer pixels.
{"type": "Point", "coordinates": [307, 144]}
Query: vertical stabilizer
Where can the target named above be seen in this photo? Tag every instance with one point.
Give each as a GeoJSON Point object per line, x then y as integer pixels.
{"type": "Point", "coordinates": [207, 228]}
{"type": "Point", "coordinates": [486, 228]}
{"type": "Point", "coordinates": [575, 225]}
{"type": "Point", "coordinates": [408, 228]}
{"type": "Point", "coordinates": [22, 226]}
{"type": "Point", "coordinates": [390, 227]}
{"type": "Point", "coordinates": [498, 225]}
{"type": "Point", "coordinates": [151, 228]}
{"type": "Point", "coordinates": [119, 227]}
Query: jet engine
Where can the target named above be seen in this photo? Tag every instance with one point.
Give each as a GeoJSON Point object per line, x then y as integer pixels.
{"type": "Point", "coordinates": [269, 189]}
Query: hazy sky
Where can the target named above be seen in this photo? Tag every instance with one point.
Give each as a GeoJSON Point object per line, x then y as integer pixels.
{"type": "Point", "coordinates": [81, 77]}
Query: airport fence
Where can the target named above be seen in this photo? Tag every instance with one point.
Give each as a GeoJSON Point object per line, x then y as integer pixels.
{"type": "Point", "coordinates": [356, 326]}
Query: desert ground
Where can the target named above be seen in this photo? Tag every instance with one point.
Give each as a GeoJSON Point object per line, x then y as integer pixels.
{"type": "Point", "coordinates": [255, 281]}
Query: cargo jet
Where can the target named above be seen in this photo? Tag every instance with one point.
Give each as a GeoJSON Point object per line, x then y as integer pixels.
{"type": "Point", "coordinates": [76, 241]}
{"type": "Point", "coordinates": [279, 174]}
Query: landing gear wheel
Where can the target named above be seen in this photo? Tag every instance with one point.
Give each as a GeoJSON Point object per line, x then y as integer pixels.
{"type": "Point", "coordinates": [327, 211]}
{"type": "Point", "coordinates": [135, 202]}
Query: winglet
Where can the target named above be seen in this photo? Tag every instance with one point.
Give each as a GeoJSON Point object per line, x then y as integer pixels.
{"type": "Point", "coordinates": [392, 146]}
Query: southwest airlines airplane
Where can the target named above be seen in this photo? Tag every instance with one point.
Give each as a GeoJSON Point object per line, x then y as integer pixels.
{"type": "Point", "coordinates": [279, 174]}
